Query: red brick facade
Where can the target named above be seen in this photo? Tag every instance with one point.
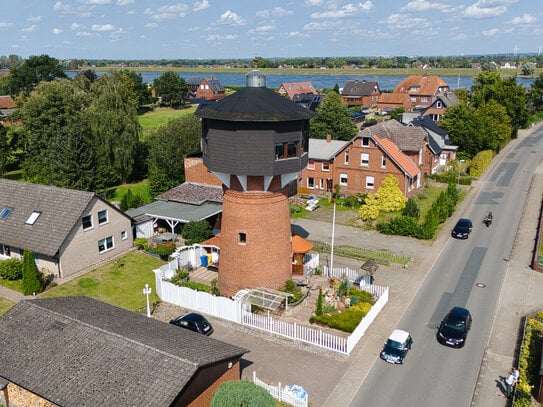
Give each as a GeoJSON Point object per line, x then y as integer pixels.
{"type": "Point", "coordinates": [196, 171]}
{"type": "Point", "coordinates": [256, 249]}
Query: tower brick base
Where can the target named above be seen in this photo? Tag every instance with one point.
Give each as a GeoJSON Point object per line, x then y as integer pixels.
{"type": "Point", "coordinates": [256, 248]}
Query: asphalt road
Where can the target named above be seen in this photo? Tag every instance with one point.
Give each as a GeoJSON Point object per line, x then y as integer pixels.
{"type": "Point", "coordinates": [468, 273]}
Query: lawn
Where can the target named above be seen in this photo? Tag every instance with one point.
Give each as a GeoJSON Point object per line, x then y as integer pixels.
{"type": "Point", "coordinates": [120, 286]}
{"type": "Point", "coordinates": [5, 305]}
{"type": "Point", "coordinates": [161, 115]}
{"type": "Point", "coordinates": [141, 188]}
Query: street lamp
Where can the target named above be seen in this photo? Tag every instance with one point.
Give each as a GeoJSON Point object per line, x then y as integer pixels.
{"type": "Point", "coordinates": [146, 292]}
{"type": "Point", "coordinates": [459, 166]}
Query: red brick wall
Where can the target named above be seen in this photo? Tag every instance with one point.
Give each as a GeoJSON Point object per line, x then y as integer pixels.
{"type": "Point", "coordinates": [196, 171]}
{"type": "Point", "coordinates": [204, 399]}
{"type": "Point", "coordinates": [264, 260]}
{"type": "Point", "coordinates": [317, 174]}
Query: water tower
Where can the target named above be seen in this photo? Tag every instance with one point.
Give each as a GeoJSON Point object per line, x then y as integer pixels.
{"type": "Point", "coordinates": [256, 142]}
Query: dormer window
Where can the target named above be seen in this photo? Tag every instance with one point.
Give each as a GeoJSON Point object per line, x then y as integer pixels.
{"type": "Point", "coordinates": [4, 213]}
{"type": "Point", "coordinates": [33, 218]}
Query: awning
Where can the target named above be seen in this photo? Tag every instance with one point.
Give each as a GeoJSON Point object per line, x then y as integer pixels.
{"type": "Point", "coordinates": [300, 245]}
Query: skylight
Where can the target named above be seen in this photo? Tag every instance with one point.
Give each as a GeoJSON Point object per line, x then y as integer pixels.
{"type": "Point", "coordinates": [33, 218]}
{"type": "Point", "coordinates": [4, 213]}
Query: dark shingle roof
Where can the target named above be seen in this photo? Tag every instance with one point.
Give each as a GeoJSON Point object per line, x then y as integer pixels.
{"type": "Point", "coordinates": [359, 88]}
{"type": "Point", "coordinates": [193, 193]}
{"type": "Point", "coordinates": [255, 104]}
{"type": "Point", "coordinates": [60, 209]}
{"type": "Point", "coordinates": [407, 138]}
{"type": "Point", "coordinates": [101, 355]}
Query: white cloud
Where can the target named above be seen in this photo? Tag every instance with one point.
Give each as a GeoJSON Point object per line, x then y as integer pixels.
{"type": "Point", "coordinates": [83, 34]}
{"type": "Point", "coordinates": [4, 26]}
{"type": "Point", "coordinates": [487, 8]}
{"type": "Point", "coordinates": [321, 26]}
{"type": "Point", "coordinates": [96, 2]}
{"type": "Point", "coordinates": [169, 12]}
{"type": "Point", "coordinates": [57, 31]}
{"type": "Point", "coordinates": [31, 28]}
{"type": "Point", "coordinates": [217, 37]}
{"type": "Point", "coordinates": [34, 19]}
{"type": "Point", "coordinates": [151, 25]}
{"type": "Point", "coordinates": [524, 19]}
{"type": "Point", "coordinates": [263, 28]}
{"type": "Point", "coordinates": [297, 34]}
{"type": "Point", "coordinates": [491, 32]}
{"type": "Point", "coordinates": [200, 5]}
{"type": "Point", "coordinates": [401, 22]}
{"type": "Point", "coordinates": [102, 27]}
{"type": "Point", "coordinates": [125, 2]}
{"type": "Point", "coordinates": [347, 11]}
{"type": "Point", "coordinates": [424, 5]}
{"type": "Point", "coordinates": [231, 18]}
{"type": "Point", "coordinates": [276, 12]}
{"type": "Point", "coordinates": [75, 26]}
{"type": "Point", "coordinates": [313, 2]}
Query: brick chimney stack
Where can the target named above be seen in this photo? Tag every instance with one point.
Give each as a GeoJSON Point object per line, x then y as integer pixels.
{"type": "Point", "coordinates": [328, 138]}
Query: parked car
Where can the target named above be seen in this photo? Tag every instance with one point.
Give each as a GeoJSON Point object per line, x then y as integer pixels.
{"type": "Point", "coordinates": [194, 322]}
{"type": "Point", "coordinates": [454, 328]}
{"type": "Point", "coordinates": [396, 347]}
{"type": "Point", "coordinates": [462, 229]}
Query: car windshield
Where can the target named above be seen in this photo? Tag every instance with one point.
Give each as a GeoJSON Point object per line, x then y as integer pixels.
{"type": "Point", "coordinates": [454, 328]}
{"type": "Point", "coordinates": [393, 351]}
{"type": "Point", "coordinates": [395, 344]}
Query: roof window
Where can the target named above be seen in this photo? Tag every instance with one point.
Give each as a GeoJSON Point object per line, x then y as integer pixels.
{"type": "Point", "coordinates": [4, 213]}
{"type": "Point", "coordinates": [33, 218]}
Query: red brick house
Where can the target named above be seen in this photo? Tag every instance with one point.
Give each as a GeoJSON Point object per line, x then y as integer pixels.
{"type": "Point", "coordinates": [390, 101]}
{"type": "Point", "coordinates": [205, 89]}
{"type": "Point", "coordinates": [360, 93]}
{"type": "Point", "coordinates": [291, 89]}
{"type": "Point", "coordinates": [439, 106]}
{"type": "Point", "coordinates": [422, 89]}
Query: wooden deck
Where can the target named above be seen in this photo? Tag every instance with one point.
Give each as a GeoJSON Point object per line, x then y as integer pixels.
{"type": "Point", "coordinates": [203, 275]}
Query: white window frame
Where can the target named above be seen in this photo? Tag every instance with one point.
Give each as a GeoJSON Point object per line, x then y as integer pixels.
{"type": "Point", "coordinates": [346, 157]}
{"type": "Point", "coordinates": [124, 235]}
{"type": "Point", "coordinates": [310, 182]}
{"type": "Point", "coordinates": [327, 164]}
{"type": "Point", "coordinates": [311, 165]}
{"type": "Point", "coordinates": [102, 222]}
{"type": "Point", "coordinates": [83, 222]}
{"type": "Point", "coordinates": [343, 177]}
{"type": "Point", "coordinates": [321, 183]}
{"type": "Point", "coordinates": [108, 244]}
{"type": "Point", "coordinates": [383, 161]}
{"type": "Point", "coordinates": [365, 142]}
{"type": "Point", "coordinates": [33, 218]}
{"type": "Point", "coordinates": [365, 159]}
{"type": "Point", "coordinates": [370, 182]}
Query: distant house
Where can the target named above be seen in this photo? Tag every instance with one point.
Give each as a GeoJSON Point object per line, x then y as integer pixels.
{"type": "Point", "coordinates": [7, 106]}
{"type": "Point", "coordinates": [205, 89]}
{"type": "Point", "coordinates": [360, 93]}
{"type": "Point", "coordinates": [68, 231]}
{"type": "Point", "coordinates": [78, 351]}
{"type": "Point", "coordinates": [291, 89]}
{"type": "Point", "coordinates": [422, 89]}
{"type": "Point", "coordinates": [391, 101]}
{"type": "Point", "coordinates": [439, 106]}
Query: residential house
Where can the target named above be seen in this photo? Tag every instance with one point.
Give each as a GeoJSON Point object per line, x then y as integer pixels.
{"type": "Point", "coordinates": [78, 351]}
{"type": "Point", "coordinates": [205, 89]}
{"type": "Point", "coordinates": [391, 101]}
{"type": "Point", "coordinates": [68, 231]}
{"type": "Point", "coordinates": [412, 141]}
{"type": "Point", "coordinates": [442, 101]}
{"type": "Point", "coordinates": [7, 106]}
{"type": "Point", "coordinates": [368, 159]}
{"type": "Point", "coordinates": [290, 89]}
{"type": "Point", "coordinates": [360, 93]}
{"type": "Point", "coordinates": [317, 178]}
{"type": "Point", "coordinates": [422, 89]}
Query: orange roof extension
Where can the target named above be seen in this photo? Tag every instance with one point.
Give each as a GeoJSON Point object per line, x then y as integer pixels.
{"type": "Point", "coordinates": [405, 163]}
{"type": "Point", "coordinates": [6, 102]}
{"type": "Point", "coordinates": [300, 245]}
{"type": "Point", "coordinates": [421, 85]}
{"type": "Point", "coordinates": [394, 100]}
{"type": "Point", "coordinates": [213, 241]}
{"type": "Point", "coordinates": [296, 88]}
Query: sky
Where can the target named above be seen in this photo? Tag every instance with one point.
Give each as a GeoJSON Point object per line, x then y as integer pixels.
{"type": "Point", "coordinates": [205, 29]}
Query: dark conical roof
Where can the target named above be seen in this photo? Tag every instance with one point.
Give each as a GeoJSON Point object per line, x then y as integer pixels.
{"type": "Point", "coordinates": [255, 104]}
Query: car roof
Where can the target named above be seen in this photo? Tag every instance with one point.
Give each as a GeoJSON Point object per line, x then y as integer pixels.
{"type": "Point", "coordinates": [464, 220]}
{"type": "Point", "coordinates": [459, 312]}
{"type": "Point", "coordinates": [399, 336]}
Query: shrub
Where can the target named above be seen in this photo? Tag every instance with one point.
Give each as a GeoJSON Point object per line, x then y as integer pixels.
{"type": "Point", "coordinates": [320, 301]}
{"type": "Point", "coordinates": [196, 232]}
{"type": "Point", "coordinates": [346, 321]}
{"type": "Point", "coordinates": [32, 278]}
{"type": "Point", "coordinates": [11, 269]}
{"type": "Point", "coordinates": [241, 393]}
{"type": "Point", "coordinates": [401, 225]}
{"type": "Point", "coordinates": [140, 243]}
{"type": "Point", "coordinates": [480, 162]}
{"type": "Point", "coordinates": [411, 209]}
{"type": "Point", "coordinates": [363, 296]}
{"type": "Point", "coordinates": [292, 288]}
{"type": "Point", "coordinates": [162, 249]}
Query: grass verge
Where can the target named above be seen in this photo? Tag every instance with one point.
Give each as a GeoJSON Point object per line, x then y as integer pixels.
{"type": "Point", "coordinates": [380, 256]}
{"type": "Point", "coordinates": [5, 305]}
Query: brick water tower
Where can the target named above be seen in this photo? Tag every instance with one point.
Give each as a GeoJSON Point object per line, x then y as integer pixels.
{"type": "Point", "coordinates": [256, 142]}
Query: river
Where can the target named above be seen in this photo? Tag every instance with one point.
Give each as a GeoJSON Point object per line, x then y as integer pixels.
{"type": "Point", "coordinates": [385, 82]}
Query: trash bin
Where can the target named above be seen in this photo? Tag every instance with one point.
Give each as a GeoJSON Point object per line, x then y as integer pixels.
{"type": "Point", "coordinates": [203, 260]}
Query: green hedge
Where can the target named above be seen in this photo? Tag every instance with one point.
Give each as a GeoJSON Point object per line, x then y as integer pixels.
{"type": "Point", "coordinates": [347, 320]}
{"type": "Point", "coordinates": [11, 269]}
{"type": "Point", "coordinates": [241, 393]}
{"type": "Point", "coordinates": [480, 162]}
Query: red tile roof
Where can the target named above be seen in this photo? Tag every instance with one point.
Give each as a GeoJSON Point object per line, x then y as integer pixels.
{"type": "Point", "coordinates": [7, 102]}
{"type": "Point", "coordinates": [421, 85]}
{"type": "Point", "coordinates": [405, 163]}
{"type": "Point", "coordinates": [296, 88]}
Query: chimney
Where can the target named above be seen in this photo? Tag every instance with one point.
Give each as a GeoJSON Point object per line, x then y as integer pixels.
{"type": "Point", "coordinates": [328, 138]}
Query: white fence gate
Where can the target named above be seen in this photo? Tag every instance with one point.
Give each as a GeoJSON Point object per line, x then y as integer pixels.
{"type": "Point", "coordinates": [280, 394]}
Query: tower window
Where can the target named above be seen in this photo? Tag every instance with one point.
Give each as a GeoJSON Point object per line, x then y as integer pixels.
{"type": "Point", "coordinates": [242, 238]}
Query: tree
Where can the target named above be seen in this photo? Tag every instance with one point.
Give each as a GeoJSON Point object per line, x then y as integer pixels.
{"type": "Point", "coordinates": [241, 393]}
{"type": "Point", "coordinates": [411, 209]}
{"type": "Point", "coordinates": [535, 95]}
{"type": "Point", "coordinates": [332, 118]}
{"type": "Point", "coordinates": [140, 88]}
{"type": "Point", "coordinates": [168, 146]}
{"type": "Point", "coordinates": [196, 232]}
{"type": "Point", "coordinates": [389, 196]}
{"type": "Point", "coordinates": [33, 71]}
{"type": "Point", "coordinates": [170, 87]}
{"type": "Point", "coordinates": [4, 149]}
{"type": "Point", "coordinates": [32, 278]}
{"type": "Point", "coordinates": [528, 68]}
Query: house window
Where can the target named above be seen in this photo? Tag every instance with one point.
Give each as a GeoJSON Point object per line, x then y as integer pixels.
{"type": "Point", "coordinates": [4, 250]}
{"type": "Point", "coordinates": [424, 99]}
{"type": "Point", "coordinates": [342, 179]}
{"type": "Point", "coordinates": [321, 183]}
{"type": "Point", "coordinates": [102, 217]}
{"type": "Point", "coordinates": [325, 166]}
{"type": "Point", "coordinates": [439, 105]}
{"type": "Point", "coordinates": [87, 222]}
{"type": "Point", "coordinates": [365, 141]}
{"type": "Point", "coordinates": [413, 99]}
{"type": "Point", "coordinates": [311, 165]}
{"type": "Point", "coordinates": [310, 183]}
{"type": "Point", "coordinates": [242, 238]}
{"type": "Point", "coordinates": [370, 182]}
{"type": "Point", "coordinates": [364, 159]}
{"type": "Point", "coordinates": [346, 157]}
{"type": "Point", "coordinates": [4, 213]}
{"type": "Point", "coordinates": [124, 235]}
{"type": "Point", "coordinates": [105, 245]}
{"type": "Point", "coordinates": [383, 161]}
{"type": "Point", "coordinates": [286, 150]}
{"type": "Point", "coordinates": [33, 218]}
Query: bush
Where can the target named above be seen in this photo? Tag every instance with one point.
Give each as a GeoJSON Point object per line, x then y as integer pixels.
{"type": "Point", "coordinates": [32, 278]}
{"type": "Point", "coordinates": [241, 393]}
{"type": "Point", "coordinates": [292, 288]}
{"type": "Point", "coordinates": [196, 232]}
{"type": "Point", "coordinates": [401, 225]}
{"type": "Point", "coordinates": [140, 243]}
{"type": "Point", "coordinates": [480, 162]}
{"type": "Point", "coordinates": [320, 303]}
{"type": "Point", "coordinates": [411, 209]}
{"type": "Point", "coordinates": [346, 321]}
{"type": "Point", "coordinates": [162, 249]}
{"type": "Point", "coordinates": [11, 269]}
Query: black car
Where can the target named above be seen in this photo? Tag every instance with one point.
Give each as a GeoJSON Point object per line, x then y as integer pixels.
{"type": "Point", "coordinates": [462, 228]}
{"type": "Point", "coordinates": [194, 322]}
{"type": "Point", "coordinates": [396, 347]}
{"type": "Point", "coordinates": [454, 328]}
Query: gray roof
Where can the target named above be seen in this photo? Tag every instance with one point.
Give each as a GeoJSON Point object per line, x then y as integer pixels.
{"type": "Point", "coordinates": [359, 88]}
{"type": "Point", "coordinates": [193, 193]}
{"type": "Point", "coordinates": [181, 212]}
{"type": "Point", "coordinates": [101, 355]}
{"type": "Point", "coordinates": [407, 138]}
{"type": "Point", "coordinates": [448, 98]}
{"type": "Point", "coordinates": [61, 209]}
{"type": "Point", "coordinates": [322, 150]}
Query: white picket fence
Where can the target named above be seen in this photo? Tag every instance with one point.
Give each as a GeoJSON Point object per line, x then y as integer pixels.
{"type": "Point", "coordinates": [234, 310]}
{"type": "Point", "coordinates": [280, 394]}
